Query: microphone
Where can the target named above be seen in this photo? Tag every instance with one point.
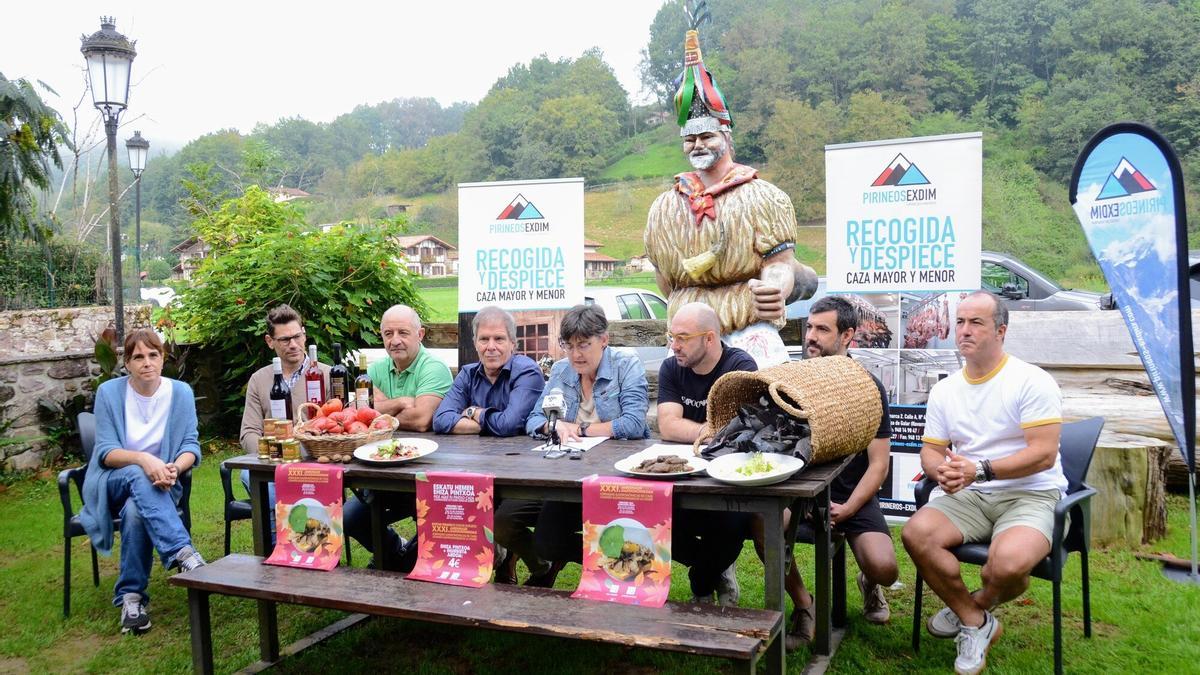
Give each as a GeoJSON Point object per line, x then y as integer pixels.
{"type": "Point", "coordinates": [552, 408]}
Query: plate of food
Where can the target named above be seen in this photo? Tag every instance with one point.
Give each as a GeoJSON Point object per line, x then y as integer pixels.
{"type": "Point", "coordinates": [662, 462]}
{"type": "Point", "coordinates": [308, 525]}
{"type": "Point", "coordinates": [394, 450]}
{"type": "Point", "coordinates": [754, 468]}
{"type": "Point", "coordinates": [628, 549]}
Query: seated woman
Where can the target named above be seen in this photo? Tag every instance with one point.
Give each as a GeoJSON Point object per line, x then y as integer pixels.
{"type": "Point", "coordinates": [604, 394]}
{"type": "Point", "coordinates": [146, 438]}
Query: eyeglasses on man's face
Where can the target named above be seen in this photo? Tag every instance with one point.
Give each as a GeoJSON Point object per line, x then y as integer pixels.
{"type": "Point", "coordinates": [287, 339]}
{"type": "Point", "coordinates": [684, 337]}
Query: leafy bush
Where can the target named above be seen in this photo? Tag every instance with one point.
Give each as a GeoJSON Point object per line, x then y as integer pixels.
{"type": "Point", "coordinates": [58, 273]}
{"type": "Point", "coordinates": [340, 281]}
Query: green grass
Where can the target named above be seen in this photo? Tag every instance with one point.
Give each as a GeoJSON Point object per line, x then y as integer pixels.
{"type": "Point", "coordinates": [1141, 621]}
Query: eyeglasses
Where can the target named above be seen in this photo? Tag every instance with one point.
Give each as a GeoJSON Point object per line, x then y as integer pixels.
{"type": "Point", "coordinates": [579, 347]}
{"type": "Point", "coordinates": [684, 337]}
{"type": "Point", "coordinates": [290, 338]}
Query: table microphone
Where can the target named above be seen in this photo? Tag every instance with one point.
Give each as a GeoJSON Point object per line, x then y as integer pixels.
{"type": "Point", "coordinates": [552, 408]}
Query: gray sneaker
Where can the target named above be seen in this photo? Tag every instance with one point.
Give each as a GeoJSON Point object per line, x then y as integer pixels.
{"type": "Point", "coordinates": [973, 645]}
{"type": "Point", "coordinates": [187, 559]}
{"type": "Point", "coordinates": [875, 606]}
{"type": "Point", "coordinates": [944, 624]}
{"type": "Point", "coordinates": [134, 617]}
{"type": "Point", "coordinates": [728, 590]}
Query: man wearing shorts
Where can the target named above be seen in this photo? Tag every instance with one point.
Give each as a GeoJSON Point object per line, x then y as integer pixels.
{"type": "Point", "coordinates": [991, 443]}
{"type": "Point", "coordinates": [854, 505]}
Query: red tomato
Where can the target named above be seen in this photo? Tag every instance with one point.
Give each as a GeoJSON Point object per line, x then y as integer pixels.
{"type": "Point", "coordinates": [356, 428]}
{"type": "Point", "coordinates": [381, 422]}
{"type": "Point", "coordinates": [365, 415]}
{"type": "Point", "coordinates": [331, 406]}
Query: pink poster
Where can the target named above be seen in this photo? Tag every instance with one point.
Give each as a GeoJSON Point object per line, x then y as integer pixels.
{"type": "Point", "coordinates": [454, 528]}
{"type": "Point", "coordinates": [308, 516]}
{"type": "Point", "coordinates": [626, 541]}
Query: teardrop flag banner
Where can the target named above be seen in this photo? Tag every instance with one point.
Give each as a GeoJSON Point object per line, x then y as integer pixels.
{"type": "Point", "coordinates": [1127, 190]}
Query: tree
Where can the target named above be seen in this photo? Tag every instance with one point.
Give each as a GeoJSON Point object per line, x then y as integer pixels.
{"type": "Point", "coordinates": [795, 142]}
{"type": "Point", "coordinates": [30, 134]}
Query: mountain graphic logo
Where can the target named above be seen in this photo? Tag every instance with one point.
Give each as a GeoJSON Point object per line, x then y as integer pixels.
{"type": "Point", "coordinates": [900, 171]}
{"type": "Point", "coordinates": [520, 209]}
{"type": "Point", "coordinates": [1125, 180]}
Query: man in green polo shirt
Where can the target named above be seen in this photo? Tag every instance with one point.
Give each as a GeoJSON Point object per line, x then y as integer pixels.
{"type": "Point", "coordinates": [411, 383]}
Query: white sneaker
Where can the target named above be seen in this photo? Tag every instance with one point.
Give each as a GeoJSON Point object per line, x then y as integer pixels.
{"type": "Point", "coordinates": [875, 606]}
{"type": "Point", "coordinates": [944, 624]}
{"type": "Point", "coordinates": [973, 645]}
{"type": "Point", "coordinates": [187, 559]}
{"type": "Point", "coordinates": [134, 617]}
{"type": "Point", "coordinates": [728, 590]}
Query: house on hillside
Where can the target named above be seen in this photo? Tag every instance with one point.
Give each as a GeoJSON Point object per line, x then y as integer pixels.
{"type": "Point", "coordinates": [286, 194]}
{"type": "Point", "coordinates": [429, 256]}
{"type": "Point", "coordinates": [191, 252]}
{"type": "Point", "coordinates": [639, 263]}
{"type": "Point", "coordinates": [596, 265]}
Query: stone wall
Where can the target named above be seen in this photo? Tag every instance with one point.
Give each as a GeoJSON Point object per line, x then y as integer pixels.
{"type": "Point", "coordinates": [24, 380]}
{"type": "Point", "coordinates": [63, 330]}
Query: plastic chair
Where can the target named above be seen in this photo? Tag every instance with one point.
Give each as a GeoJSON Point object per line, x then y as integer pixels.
{"type": "Point", "coordinates": [72, 527]}
{"type": "Point", "coordinates": [1076, 446]}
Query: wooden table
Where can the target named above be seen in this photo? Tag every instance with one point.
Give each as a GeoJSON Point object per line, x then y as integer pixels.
{"type": "Point", "coordinates": [522, 474]}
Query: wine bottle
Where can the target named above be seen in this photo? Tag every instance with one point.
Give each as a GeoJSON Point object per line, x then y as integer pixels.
{"type": "Point", "coordinates": [314, 381]}
{"type": "Point", "coordinates": [339, 377]}
{"type": "Point", "coordinates": [281, 393]}
{"type": "Point", "coordinates": [363, 388]}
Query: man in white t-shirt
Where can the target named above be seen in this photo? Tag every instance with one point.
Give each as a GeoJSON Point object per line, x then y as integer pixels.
{"type": "Point", "coordinates": [991, 442]}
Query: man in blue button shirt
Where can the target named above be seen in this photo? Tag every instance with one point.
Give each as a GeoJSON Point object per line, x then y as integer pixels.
{"type": "Point", "coordinates": [494, 396]}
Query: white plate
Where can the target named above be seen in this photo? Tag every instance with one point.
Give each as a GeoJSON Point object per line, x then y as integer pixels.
{"type": "Point", "coordinates": [627, 465]}
{"type": "Point", "coordinates": [724, 468]}
{"type": "Point", "coordinates": [424, 447]}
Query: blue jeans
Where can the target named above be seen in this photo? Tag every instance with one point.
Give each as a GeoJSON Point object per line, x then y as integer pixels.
{"type": "Point", "coordinates": [149, 519]}
{"type": "Point", "coordinates": [270, 501]}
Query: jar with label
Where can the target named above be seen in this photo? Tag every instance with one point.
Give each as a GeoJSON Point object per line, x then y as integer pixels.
{"type": "Point", "coordinates": [264, 449]}
{"type": "Point", "coordinates": [283, 429]}
{"type": "Point", "coordinates": [276, 450]}
{"type": "Point", "coordinates": [291, 450]}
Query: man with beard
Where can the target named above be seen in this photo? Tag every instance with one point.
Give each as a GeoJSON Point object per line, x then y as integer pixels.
{"type": "Point", "coordinates": [721, 235]}
{"type": "Point", "coordinates": [854, 507]}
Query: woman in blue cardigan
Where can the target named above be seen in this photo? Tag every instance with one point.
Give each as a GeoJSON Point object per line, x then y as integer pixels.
{"type": "Point", "coordinates": [146, 438]}
{"type": "Point", "coordinates": [604, 394]}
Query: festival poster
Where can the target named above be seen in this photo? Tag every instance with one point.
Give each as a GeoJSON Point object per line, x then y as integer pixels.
{"type": "Point", "coordinates": [454, 528]}
{"type": "Point", "coordinates": [626, 541]}
{"type": "Point", "coordinates": [308, 516]}
{"type": "Point", "coordinates": [904, 214]}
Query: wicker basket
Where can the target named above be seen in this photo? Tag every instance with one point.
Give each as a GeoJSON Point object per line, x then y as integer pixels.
{"type": "Point", "coordinates": [834, 394]}
{"type": "Point", "coordinates": [330, 445]}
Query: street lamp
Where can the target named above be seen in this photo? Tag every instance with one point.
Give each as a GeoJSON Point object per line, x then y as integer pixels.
{"type": "Point", "coordinates": [109, 57]}
{"type": "Point", "coordinates": [138, 148]}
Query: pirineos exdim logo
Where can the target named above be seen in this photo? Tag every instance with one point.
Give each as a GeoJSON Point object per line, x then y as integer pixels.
{"type": "Point", "coordinates": [1123, 181]}
{"type": "Point", "coordinates": [520, 209]}
{"type": "Point", "coordinates": [901, 181]}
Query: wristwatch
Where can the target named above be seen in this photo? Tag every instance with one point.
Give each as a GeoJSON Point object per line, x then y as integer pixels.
{"type": "Point", "coordinates": [583, 428]}
{"type": "Point", "coordinates": [469, 412]}
{"type": "Point", "coordinates": [980, 473]}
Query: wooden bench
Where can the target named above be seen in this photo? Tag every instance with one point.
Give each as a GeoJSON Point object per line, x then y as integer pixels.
{"type": "Point", "coordinates": [730, 632]}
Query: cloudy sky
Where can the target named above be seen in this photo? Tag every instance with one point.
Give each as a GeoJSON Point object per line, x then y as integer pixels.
{"type": "Point", "coordinates": [207, 66]}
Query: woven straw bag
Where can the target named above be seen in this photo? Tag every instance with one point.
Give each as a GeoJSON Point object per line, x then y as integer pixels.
{"type": "Point", "coordinates": [835, 395]}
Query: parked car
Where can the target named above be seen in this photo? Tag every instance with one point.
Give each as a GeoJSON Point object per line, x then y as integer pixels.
{"type": "Point", "coordinates": [1019, 286]}
{"type": "Point", "coordinates": [626, 303]}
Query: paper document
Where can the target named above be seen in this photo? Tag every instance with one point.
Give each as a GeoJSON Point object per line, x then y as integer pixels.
{"type": "Point", "coordinates": [586, 443]}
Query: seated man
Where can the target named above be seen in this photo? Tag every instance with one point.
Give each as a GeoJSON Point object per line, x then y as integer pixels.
{"type": "Point", "coordinates": [991, 443]}
{"type": "Point", "coordinates": [493, 396]}
{"type": "Point", "coordinates": [709, 542]}
{"type": "Point", "coordinates": [854, 506]}
{"type": "Point", "coordinates": [408, 385]}
{"type": "Point", "coordinates": [285, 335]}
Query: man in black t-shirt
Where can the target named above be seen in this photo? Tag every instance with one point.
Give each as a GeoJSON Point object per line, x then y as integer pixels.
{"type": "Point", "coordinates": [698, 359]}
{"type": "Point", "coordinates": [854, 508]}
{"type": "Point", "coordinates": [707, 541]}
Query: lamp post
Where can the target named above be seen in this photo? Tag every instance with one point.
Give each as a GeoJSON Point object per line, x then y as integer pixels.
{"type": "Point", "coordinates": [109, 57]}
{"type": "Point", "coordinates": [138, 147]}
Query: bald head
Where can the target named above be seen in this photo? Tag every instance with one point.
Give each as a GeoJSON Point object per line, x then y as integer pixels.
{"type": "Point", "coordinates": [699, 317]}
{"type": "Point", "coordinates": [695, 337]}
{"type": "Point", "coordinates": [402, 313]}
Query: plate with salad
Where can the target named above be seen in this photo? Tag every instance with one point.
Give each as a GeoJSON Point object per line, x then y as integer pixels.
{"type": "Point", "coordinates": [754, 468]}
{"type": "Point", "coordinates": [394, 450]}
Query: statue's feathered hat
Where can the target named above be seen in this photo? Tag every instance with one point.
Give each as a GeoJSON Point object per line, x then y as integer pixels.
{"type": "Point", "coordinates": [699, 104]}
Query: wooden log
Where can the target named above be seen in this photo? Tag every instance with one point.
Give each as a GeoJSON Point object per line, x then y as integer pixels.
{"type": "Point", "coordinates": [1129, 473]}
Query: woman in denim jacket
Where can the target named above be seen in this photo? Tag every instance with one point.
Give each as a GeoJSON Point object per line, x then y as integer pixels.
{"type": "Point", "coordinates": [604, 394]}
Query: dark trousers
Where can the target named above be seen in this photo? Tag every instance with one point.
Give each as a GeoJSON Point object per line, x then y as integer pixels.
{"type": "Point", "coordinates": [513, 519]}
{"type": "Point", "coordinates": [706, 541]}
{"type": "Point", "coordinates": [356, 521]}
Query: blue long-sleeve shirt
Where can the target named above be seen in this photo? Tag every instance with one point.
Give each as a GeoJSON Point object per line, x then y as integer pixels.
{"type": "Point", "coordinates": [506, 402]}
{"type": "Point", "coordinates": [620, 394]}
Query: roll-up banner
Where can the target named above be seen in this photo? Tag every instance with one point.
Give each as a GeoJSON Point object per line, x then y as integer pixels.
{"type": "Point", "coordinates": [1127, 190]}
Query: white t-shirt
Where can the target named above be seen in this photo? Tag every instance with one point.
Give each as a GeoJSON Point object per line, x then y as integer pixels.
{"type": "Point", "coordinates": [987, 418]}
{"type": "Point", "coordinates": [146, 418]}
